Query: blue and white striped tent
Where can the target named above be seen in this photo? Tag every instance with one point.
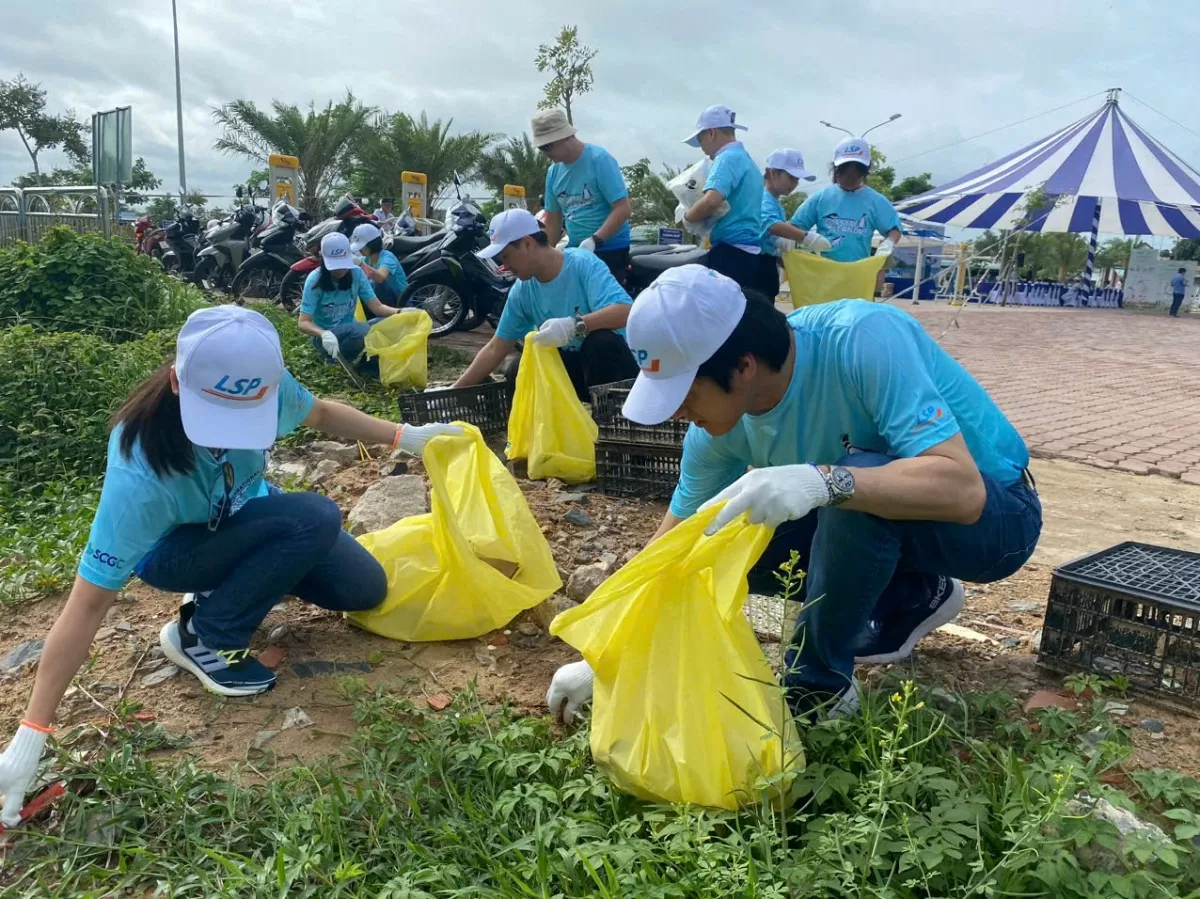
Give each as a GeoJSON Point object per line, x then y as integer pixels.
{"type": "Point", "coordinates": [1103, 173]}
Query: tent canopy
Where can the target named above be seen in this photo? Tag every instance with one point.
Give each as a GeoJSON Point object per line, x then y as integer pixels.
{"type": "Point", "coordinates": [1105, 159]}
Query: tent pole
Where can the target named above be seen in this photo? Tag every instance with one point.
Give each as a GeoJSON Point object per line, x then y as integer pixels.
{"type": "Point", "coordinates": [1089, 271]}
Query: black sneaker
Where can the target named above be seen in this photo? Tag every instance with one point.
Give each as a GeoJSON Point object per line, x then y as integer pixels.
{"type": "Point", "coordinates": [895, 638]}
{"type": "Point", "coordinates": [226, 672]}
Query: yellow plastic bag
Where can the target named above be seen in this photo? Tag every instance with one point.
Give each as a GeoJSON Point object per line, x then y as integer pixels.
{"type": "Point", "coordinates": [815, 279]}
{"type": "Point", "coordinates": [685, 707]}
{"type": "Point", "coordinates": [401, 343]}
{"type": "Point", "coordinates": [448, 570]}
{"type": "Point", "coordinates": [548, 425]}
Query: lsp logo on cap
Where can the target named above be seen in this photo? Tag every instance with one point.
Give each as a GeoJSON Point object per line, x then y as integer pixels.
{"type": "Point", "coordinates": [646, 363]}
{"type": "Point", "coordinates": [337, 252]}
{"type": "Point", "coordinates": [239, 389]}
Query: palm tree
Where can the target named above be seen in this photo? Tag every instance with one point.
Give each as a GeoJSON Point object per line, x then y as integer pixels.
{"type": "Point", "coordinates": [399, 143]}
{"type": "Point", "coordinates": [516, 161]}
{"type": "Point", "coordinates": [323, 140]}
{"type": "Point", "coordinates": [1115, 253]}
{"type": "Point", "coordinates": [651, 201]}
{"type": "Point", "coordinates": [1062, 254]}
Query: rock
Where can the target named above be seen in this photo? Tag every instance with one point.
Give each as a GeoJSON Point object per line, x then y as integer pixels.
{"type": "Point", "coordinates": [529, 629]}
{"type": "Point", "coordinates": [1044, 699]}
{"type": "Point", "coordinates": [498, 640]}
{"type": "Point", "coordinates": [280, 633]}
{"type": "Point", "coordinates": [262, 738]}
{"type": "Point", "coordinates": [324, 470]}
{"type": "Point", "coordinates": [1158, 736]}
{"type": "Point", "coordinates": [22, 656]}
{"type": "Point", "coordinates": [123, 625]}
{"type": "Point", "coordinates": [608, 560]}
{"type": "Point", "coordinates": [272, 656]}
{"type": "Point", "coordinates": [629, 557]}
{"type": "Point", "coordinates": [391, 469]}
{"type": "Point", "coordinates": [386, 502]}
{"type": "Point", "coordinates": [1010, 642]}
{"type": "Point", "coordinates": [1151, 725]}
{"type": "Point", "coordinates": [295, 717]}
{"type": "Point", "coordinates": [1116, 708]}
{"type": "Point", "coordinates": [579, 518]}
{"type": "Point", "coordinates": [105, 632]}
{"type": "Point", "coordinates": [585, 580]}
{"type": "Point", "coordinates": [565, 498]}
{"type": "Point", "coordinates": [1093, 738]}
{"type": "Point", "coordinates": [161, 675]}
{"type": "Point", "coordinates": [1126, 822]}
{"type": "Point", "coordinates": [1035, 642]}
{"type": "Point", "coordinates": [331, 451]}
{"type": "Point", "coordinates": [439, 701]}
{"type": "Point", "coordinates": [1024, 605]}
{"type": "Point", "coordinates": [295, 470]}
{"type": "Point", "coordinates": [964, 633]}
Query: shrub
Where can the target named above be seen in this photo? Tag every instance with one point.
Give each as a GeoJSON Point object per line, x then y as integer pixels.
{"type": "Point", "coordinates": [83, 282]}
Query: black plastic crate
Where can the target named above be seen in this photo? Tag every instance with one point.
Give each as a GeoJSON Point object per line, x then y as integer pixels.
{"type": "Point", "coordinates": [1132, 609]}
{"type": "Point", "coordinates": [486, 406]}
{"type": "Point", "coordinates": [607, 400]}
{"type": "Point", "coordinates": [640, 470]}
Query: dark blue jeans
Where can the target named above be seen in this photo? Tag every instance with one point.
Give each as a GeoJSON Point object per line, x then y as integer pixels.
{"type": "Point", "coordinates": [862, 567]}
{"type": "Point", "coordinates": [351, 343]}
{"type": "Point", "coordinates": [1176, 302]}
{"type": "Point", "coordinates": [276, 545]}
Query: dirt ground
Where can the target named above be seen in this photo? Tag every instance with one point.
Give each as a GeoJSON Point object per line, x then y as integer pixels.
{"type": "Point", "coordinates": [1086, 509]}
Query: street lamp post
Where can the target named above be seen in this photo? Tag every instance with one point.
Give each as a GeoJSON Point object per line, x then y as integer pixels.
{"type": "Point", "coordinates": [888, 120]}
{"type": "Point", "coordinates": [179, 107]}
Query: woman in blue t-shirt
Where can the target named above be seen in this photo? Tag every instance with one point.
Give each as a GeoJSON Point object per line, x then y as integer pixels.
{"type": "Point", "coordinates": [327, 305]}
{"type": "Point", "coordinates": [190, 518]}
{"type": "Point", "coordinates": [381, 266]}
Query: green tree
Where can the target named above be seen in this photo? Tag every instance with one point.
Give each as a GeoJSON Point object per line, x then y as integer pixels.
{"type": "Point", "coordinates": [324, 140]}
{"type": "Point", "coordinates": [399, 143]}
{"type": "Point", "coordinates": [651, 202]}
{"type": "Point", "coordinates": [792, 202]}
{"type": "Point", "coordinates": [571, 65]}
{"type": "Point", "coordinates": [23, 110]}
{"type": "Point", "coordinates": [1186, 250]}
{"type": "Point", "coordinates": [882, 175]}
{"type": "Point", "coordinates": [256, 183]}
{"type": "Point", "coordinates": [1115, 253]}
{"type": "Point", "coordinates": [912, 186]}
{"type": "Point", "coordinates": [516, 161]}
{"type": "Point", "coordinates": [161, 208]}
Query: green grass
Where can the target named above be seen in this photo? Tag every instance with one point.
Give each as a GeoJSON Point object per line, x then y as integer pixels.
{"type": "Point", "coordinates": [921, 796]}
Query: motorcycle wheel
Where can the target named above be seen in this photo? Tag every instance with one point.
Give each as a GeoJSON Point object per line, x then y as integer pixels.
{"type": "Point", "coordinates": [291, 289]}
{"type": "Point", "coordinates": [440, 297]}
{"type": "Point", "coordinates": [207, 276]}
{"type": "Point", "coordinates": [259, 282]}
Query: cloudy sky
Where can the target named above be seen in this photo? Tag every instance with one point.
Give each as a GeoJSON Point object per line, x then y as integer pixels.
{"type": "Point", "coordinates": [953, 70]}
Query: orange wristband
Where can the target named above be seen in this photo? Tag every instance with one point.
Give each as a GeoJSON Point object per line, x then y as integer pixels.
{"type": "Point", "coordinates": [38, 727]}
{"type": "Point", "coordinates": [396, 439]}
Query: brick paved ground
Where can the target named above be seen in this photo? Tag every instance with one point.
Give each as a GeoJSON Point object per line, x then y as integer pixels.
{"type": "Point", "coordinates": [1111, 388]}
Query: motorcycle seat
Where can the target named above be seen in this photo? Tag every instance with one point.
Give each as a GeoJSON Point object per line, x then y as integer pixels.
{"type": "Point", "coordinates": [657, 263]}
{"type": "Point", "coordinates": [402, 244]}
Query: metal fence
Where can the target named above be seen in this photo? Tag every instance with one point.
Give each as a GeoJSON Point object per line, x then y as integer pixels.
{"type": "Point", "coordinates": [26, 214]}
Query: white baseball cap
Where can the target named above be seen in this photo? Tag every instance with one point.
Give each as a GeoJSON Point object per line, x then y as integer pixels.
{"type": "Point", "coordinates": [852, 149]}
{"type": "Point", "coordinates": [713, 117]}
{"type": "Point", "coordinates": [229, 363]}
{"type": "Point", "coordinates": [790, 161]}
{"type": "Point", "coordinates": [363, 235]}
{"type": "Point", "coordinates": [509, 225]}
{"type": "Point", "coordinates": [335, 251]}
{"type": "Point", "coordinates": [675, 326]}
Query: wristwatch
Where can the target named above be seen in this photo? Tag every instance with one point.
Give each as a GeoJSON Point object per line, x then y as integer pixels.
{"type": "Point", "coordinates": [598, 241]}
{"type": "Point", "coordinates": [581, 328]}
{"type": "Point", "coordinates": [839, 482]}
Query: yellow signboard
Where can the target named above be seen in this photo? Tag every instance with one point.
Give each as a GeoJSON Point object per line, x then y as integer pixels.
{"type": "Point", "coordinates": [283, 174]}
{"type": "Point", "coordinates": [514, 196]}
{"type": "Point", "coordinates": [415, 192]}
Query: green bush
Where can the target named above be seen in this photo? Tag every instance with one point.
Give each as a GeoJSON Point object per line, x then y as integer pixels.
{"type": "Point", "coordinates": [83, 282]}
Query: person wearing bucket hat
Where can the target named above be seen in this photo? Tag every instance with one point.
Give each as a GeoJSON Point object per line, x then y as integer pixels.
{"type": "Point", "coordinates": [185, 506]}
{"type": "Point", "coordinates": [381, 266]}
{"type": "Point", "coordinates": [845, 427]}
{"type": "Point", "coordinates": [331, 295]}
{"type": "Point", "coordinates": [586, 191]}
{"type": "Point", "coordinates": [785, 170]}
{"type": "Point", "coordinates": [568, 296]}
{"type": "Point", "coordinates": [848, 212]}
{"type": "Point", "coordinates": [734, 179]}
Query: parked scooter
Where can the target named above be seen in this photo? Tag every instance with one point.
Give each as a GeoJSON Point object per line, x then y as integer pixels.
{"type": "Point", "coordinates": [347, 216]}
{"type": "Point", "coordinates": [648, 262]}
{"type": "Point", "coordinates": [228, 247]}
{"type": "Point", "coordinates": [147, 236]}
{"type": "Point", "coordinates": [180, 242]}
{"type": "Point", "coordinates": [273, 249]}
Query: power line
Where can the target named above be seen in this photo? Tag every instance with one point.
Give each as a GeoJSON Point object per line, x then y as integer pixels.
{"type": "Point", "coordinates": [1163, 114]}
{"type": "Point", "coordinates": [1001, 128]}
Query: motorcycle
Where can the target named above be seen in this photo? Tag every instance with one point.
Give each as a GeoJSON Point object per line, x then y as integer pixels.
{"type": "Point", "coordinates": [146, 237]}
{"type": "Point", "coordinates": [347, 216]}
{"type": "Point", "coordinates": [648, 262]}
{"type": "Point", "coordinates": [180, 242]}
{"type": "Point", "coordinates": [273, 250]}
{"type": "Point", "coordinates": [228, 247]}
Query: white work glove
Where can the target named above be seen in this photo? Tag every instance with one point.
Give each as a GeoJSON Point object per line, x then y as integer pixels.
{"type": "Point", "coordinates": [412, 438]}
{"type": "Point", "coordinates": [885, 248]}
{"type": "Point", "coordinates": [784, 245]}
{"type": "Point", "coordinates": [329, 343]}
{"type": "Point", "coordinates": [771, 496]}
{"type": "Point", "coordinates": [555, 332]}
{"type": "Point", "coordinates": [814, 242]}
{"type": "Point", "coordinates": [570, 690]}
{"type": "Point", "coordinates": [18, 765]}
{"type": "Point", "coordinates": [588, 245]}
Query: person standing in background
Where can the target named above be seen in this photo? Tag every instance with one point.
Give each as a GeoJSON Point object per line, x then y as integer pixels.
{"type": "Point", "coordinates": [734, 179]}
{"type": "Point", "coordinates": [1178, 291]}
{"type": "Point", "coordinates": [585, 192]}
{"type": "Point", "coordinates": [384, 212]}
{"type": "Point", "coordinates": [785, 170]}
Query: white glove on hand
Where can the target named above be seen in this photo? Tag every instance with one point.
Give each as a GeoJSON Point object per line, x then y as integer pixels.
{"type": "Point", "coordinates": [815, 242]}
{"type": "Point", "coordinates": [329, 343]}
{"type": "Point", "coordinates": [885, 248]}
{"type": "Point", "coordinates": [588, 245]}
{"type": "Point", "coordinates": [784, 245]}
{"type": "Point", "coordinates": [412, 438]}
{"type": "Point", "coordinates": [18, 765]}
{"type": "Point", "coordinates": [555, 332]}
{"type": "Point", "coordinates": [570, 689]}
{"type": "Point", "coordinates": [771, 496]}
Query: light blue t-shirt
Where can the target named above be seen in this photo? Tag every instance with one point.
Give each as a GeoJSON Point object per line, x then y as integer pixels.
{"type": "Point", "coordinates": [739, 181]}
{"type": "Point", "coordinates": [335, 307]}
{"type": "Point", "coordinates": [396, 277]}
{"type": "Point", "coordinates": [867, 376]}
{"type": "Point", "coordinates": [1178, 284]}
{"type": "Point", "coordinates": [138, 508]}
{"type": "Point", "coordinates": [584, 192]}
{"type": "Point", "coordinates": [847, 219]}
{"type": "Point", "coordinates": [772, 214]}
{"type": "Point", "coordinates": [584, 285]}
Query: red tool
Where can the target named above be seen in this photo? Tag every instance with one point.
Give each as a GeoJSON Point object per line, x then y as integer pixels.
{"type": "Point", "coordinates": [40, 802]}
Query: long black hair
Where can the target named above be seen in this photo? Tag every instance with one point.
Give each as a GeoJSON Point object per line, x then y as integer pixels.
{"type": "Point", "coordinates": [150, 417]}
{"type": "Point", "coordinates": [325, 280]}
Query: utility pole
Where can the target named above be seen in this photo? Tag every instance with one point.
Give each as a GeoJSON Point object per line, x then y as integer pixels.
{"type": "Point", "coordinates": [179, 107]}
